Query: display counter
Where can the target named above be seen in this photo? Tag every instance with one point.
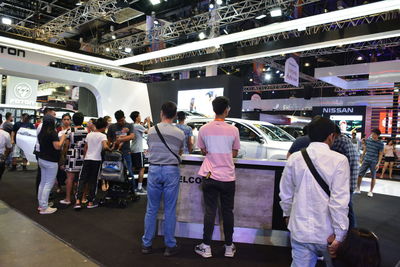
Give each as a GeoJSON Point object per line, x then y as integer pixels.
{"type": "Point", "coordinates": [258, 216]}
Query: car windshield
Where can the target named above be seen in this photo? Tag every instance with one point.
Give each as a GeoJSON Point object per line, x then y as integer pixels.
{"type": "Point", "coordinates": [275, 133]}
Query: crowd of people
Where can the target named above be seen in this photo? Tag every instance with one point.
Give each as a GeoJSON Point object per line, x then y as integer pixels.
{"type": "Point", "coordinates": [316, 187]}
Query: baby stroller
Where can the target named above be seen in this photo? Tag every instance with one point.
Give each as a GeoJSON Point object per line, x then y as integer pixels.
{"type": "Point", "coordinates": [120, 189]}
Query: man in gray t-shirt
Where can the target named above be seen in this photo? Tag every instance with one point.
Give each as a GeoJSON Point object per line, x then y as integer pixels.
{"type": "Point", "coordinates": [137, 148]}
{"type": "Point", "coordinates": [163, 179]}
{"type": "Point", "coordinates": [8, 125]}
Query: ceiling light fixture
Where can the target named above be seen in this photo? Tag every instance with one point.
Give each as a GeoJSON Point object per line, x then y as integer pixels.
{"type": "Point", "coordinates": [108, 49]}
{"type": "Point", "coordinates": [276, 12]}
{"type": "Point", "coordinates": [339, 15]}
{"type": "Point", "coordinates": [307, 64]}
{"type": "Point", "coordinates": [202, 36]}
{"type": "Point", "coordinates": [113, 37]}
{"type": "Point", "coordinates": [155, 2]}
{"type": "Point", "coordinates": [6, 21]}
{"type": "Point", "coordinates": [261, 16]}
{"type": "Point", "coordinates": [359, 58]}
{"type": "Point", "coordinates": [267, 76]}
{"type": "Point", "coordinates": [226, 32]}
{"type": "Point", "coordinates": [219, 2]}
{"type": "Point", "coordinates": [211, 6]}
{"type": "Point", "coordinates": [156, 22]}
{"type": "Point", "coordinates": [128, 49]}
{"type": "Point", "coordinates": [79, 3]}
{"type": "Point", "coordinates": [277, 72]}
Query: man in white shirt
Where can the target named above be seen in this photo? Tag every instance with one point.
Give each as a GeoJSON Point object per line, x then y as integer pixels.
{"type": "Point", "coordinates": [313, 216]}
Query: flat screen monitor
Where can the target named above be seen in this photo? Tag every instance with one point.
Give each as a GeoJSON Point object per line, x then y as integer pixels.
{"type": "Point", "coordinates": [348, 123]}
{"type": "Point", "coordinates": [198, 100]}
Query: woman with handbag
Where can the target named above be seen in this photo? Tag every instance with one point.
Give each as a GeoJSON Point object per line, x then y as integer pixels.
{"type": "Point", "coordinates": [390, 157]}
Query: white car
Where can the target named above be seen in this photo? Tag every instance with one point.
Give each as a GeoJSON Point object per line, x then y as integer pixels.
{"type": "Point", "coordinates": [258, 139]}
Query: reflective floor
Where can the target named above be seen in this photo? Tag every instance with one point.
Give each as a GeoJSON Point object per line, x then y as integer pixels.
{"type": "Point", "coordinates": [384, 187]}
{"type": "Point", "coordinates": [25, 243]}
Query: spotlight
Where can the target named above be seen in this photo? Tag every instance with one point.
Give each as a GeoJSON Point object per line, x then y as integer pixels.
{"type": "Point", "coordinates": [261, 16]}
{"type": "Point", "coordinates": [250, 80]}
{"type": "Point", "coordinates": [307, 64]}
{"type": "Point", "coordinates": [6, 21]}
{"type": "Point", "coordinates": [108, 49]}
{"type": "Point", "coordinates": [276, 12]}
{"type": "Point", "coordinates": [211, 6]}
{"type": "Point", "coordinates": [359, 58]}
{"type": "Point", "coordinates": [113, 37]}
{"type": "Point", "coordinates": [79, 3]}
{"type": "Point", "coordinates": [396, 90]}
{"type": "Point", "coordinates": [155, 2]}
{"type": "Point", "coordinates": [225, 31]}
{"type": "Point", "coordinates": [267, 76]}
{"type": "Point", "coordinates": [217, 46]}
{"type": "Point", "coordinates": [269, 69]}
{"type": "Point", "coordinates": [173, 79]}
{"type": "Point", "coordinates": [202, 36]}
{"type": "Point", "coordinates": [219, 2]}
{"type": "Point", "coordinates": [128, 50]}
{"type": "Point", "coordinates": [264, 69]}
{"type": "Point", "coordinates": [156, 22]}
{"type": "Point", "coordinates": [277, 72]}
{"type": "Point", "coordinates": [198, 76]}
{"type": "Point", "coordinates": [281, 75]}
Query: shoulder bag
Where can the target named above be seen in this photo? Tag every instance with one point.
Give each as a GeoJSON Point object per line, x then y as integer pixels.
{"type": "Point", "coordinates": [315, 173]}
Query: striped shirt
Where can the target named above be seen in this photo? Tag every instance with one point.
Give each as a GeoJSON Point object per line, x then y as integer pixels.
{"type": "Point", "coordinates": [373, 148]}
{"type": "Point", "coordinates": [219, 139]}
{"type": "Point", "coordinates": [158, 152]}
{"type": "Point", "coordinates": [344, 146]}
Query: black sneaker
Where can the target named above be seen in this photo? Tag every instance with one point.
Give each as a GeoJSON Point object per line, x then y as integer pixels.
{"type": "Point", "coordinates": [171, 251]}
{"type": "Point", "coordinates": [147, 250]}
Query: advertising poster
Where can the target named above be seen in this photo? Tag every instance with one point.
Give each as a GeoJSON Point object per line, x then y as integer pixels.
{"type": "Point", "coordinates": [199, 100]}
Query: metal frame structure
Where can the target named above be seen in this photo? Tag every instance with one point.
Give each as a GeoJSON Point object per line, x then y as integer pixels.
{"type": "Point", "coordinates": [309, 31]}
{"type": "Point", "coordinates": [284, 87]}
{"type": "Point", "coordinates": [226, 15]}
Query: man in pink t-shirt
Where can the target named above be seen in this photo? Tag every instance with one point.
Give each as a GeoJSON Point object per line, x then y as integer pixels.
{"type": "Point", "coordinates": [220, 143]}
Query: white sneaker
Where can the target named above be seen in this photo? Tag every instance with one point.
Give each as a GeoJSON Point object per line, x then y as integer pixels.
{"type": "Point", "coordinates": [370, 194]}
{"type": "Point", "coordinates": [63, 201]}
{"type": "Point", "coordinates": [48, 211]}
{"type": "Point", "coordinates": [230, 251]}
{"type": "Point", "coordinates": [203, 250]}
{"type": "Point", "coordinates": [357, 191]}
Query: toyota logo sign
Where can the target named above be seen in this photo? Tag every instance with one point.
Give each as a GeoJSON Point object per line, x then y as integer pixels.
{"type": "Point", "coordinates": [23, 90]}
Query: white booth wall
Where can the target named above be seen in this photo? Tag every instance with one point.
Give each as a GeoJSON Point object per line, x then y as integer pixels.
{"type": "Point", "coordinates": [111, 94]}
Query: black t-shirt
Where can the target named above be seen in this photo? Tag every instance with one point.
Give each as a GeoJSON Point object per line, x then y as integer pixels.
{"type": "Point", "coordinates": [47, 150]}
{"type": "Point", "coordinates": [116, 130]}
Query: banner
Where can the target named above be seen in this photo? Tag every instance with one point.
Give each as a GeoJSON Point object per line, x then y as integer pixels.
{"type": "Point", "coordinates": [21, 91]}
{"type": "Point", "coordinates": [292, 72]}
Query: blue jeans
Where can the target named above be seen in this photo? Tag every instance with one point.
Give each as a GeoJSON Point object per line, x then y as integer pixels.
{"type": "Point", "coordinates": [48, 171]}
{"type": "Point", "coordinates": [128, 164]}
{"type": "Point", "coordinates": [161, 181]}
{"type": "Point", "coordinates": [306, 254]}
{"type": "Point", "coordinates": [371, 165]}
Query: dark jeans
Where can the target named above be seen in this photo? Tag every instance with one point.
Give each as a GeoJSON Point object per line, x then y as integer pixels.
{"type": "Point", "coordinates": [38, 176]}
{"type": "Point", "coordinates": [2, 168]}
{"type": "Point", "coordinates": [352, 216]}
{"type": "Point", "coordinates": [225, 192]}
{"type": "Point", "coordinates": [88, 175]}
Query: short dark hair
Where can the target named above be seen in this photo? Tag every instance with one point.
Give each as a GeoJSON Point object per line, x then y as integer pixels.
{"type": "Point", "coordinates": [119, 114]}
{"type": "Point", "coordinates": [220, 103]}
{"type": "Point", "coordinates": [376, 131]}
{"type": "Point", "coordinates": [100, 123]}
{"type": "Point", "coordinates": [305, 130]}
{"type": "Point", "coordinates": [360, 248]}
{"type": "Point", "coordinates": [319, 129]}
{"type": "Point", "coordinates": [169, 109]}
{"type": "Point", "coordinates": [65, 115]}
{"type": "Point", "coordinates": [47, 110]}
{"type": "Point", "coordinates": [8, 115]}
{"type": "Point", "coordinates": [78, 118]}
{"type": "Point", "coordinates": [181, 116]}
{"type": "Point", "coordinates": [25, 116]}
{"type": "Point", "coordinates": [134, 115]}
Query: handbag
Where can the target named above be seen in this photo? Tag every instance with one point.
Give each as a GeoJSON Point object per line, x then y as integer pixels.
{"type": "Point", "coordinates": [315, 173]}
{"type": "Point", "coordinates": [165, 143]}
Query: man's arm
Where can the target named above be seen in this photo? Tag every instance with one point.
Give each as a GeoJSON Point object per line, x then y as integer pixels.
{"type": "Point", "coordinates": [364, 152]}
{"type": "Point", "coordinates": [105, 145]}
{"type": "Point", "coordinates": [12, 137]}
{"type": "Point", "coordinates": [379, 160]}
{"type": "Point", "coordinates": [126, 138]}
{"type": "Point", "coordinates": [287, 188]}
{"type": "Point", "coordinates": [339, 202]}
{"type": "Point", "coordinates": [190, 141]}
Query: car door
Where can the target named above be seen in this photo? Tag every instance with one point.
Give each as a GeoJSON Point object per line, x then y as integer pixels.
{"type": "Point", "coordinates": [250, 143]}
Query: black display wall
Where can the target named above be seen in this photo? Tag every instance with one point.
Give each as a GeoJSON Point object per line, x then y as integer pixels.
{"type": "Point", "coordinates": [168, 91]}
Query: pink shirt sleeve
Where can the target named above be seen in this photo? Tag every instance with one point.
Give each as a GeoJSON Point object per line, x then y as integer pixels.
{"type": "Point", "coordinates": [236, 142]}
{"type": "Point", "coordinates": [200, 143]}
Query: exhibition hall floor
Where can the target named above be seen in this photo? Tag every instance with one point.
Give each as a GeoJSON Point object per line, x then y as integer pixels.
{"type": "Point", "coordinates": [111, 236]}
